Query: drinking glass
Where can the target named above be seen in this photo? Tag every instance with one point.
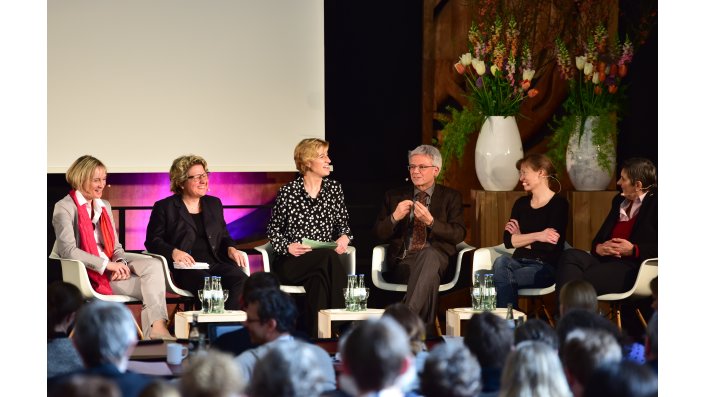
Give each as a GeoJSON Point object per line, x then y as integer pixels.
{"type": "Point", "coordinates": [362, 295]}
{"type": "Point", "coordinates": [226, 293]}
{"type": "Point", "coordinates": [200, 297]}
{"type": "Point", "coordinates": [350, 301]}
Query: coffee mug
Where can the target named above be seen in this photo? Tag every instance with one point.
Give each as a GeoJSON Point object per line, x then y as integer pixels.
{"type": "Point", "coordinates": [175, 353]}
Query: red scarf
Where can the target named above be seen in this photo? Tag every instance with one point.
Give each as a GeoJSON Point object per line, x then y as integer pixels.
{"type": "Point", "coordinates": [100, 282]}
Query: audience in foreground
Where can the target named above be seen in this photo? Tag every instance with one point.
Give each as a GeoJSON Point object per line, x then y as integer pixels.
{"type": "Point", "coordinates": [490, 339]}
{"type": "Point", "coordinates": [583, 351]}
{"type": "Point", "coordinates": [104, 336]}
{"type": "Point", "coordinates": [416, 331]}
{"type": "Point", "coordinates": [622, 379]}
{"type": "Point", "coordinates": [451, 371]}
{"type": "Point", "coordinates": [213, 374]}
{"type": "Point", "coordinates": [538, 330]}
{"type": "Point", "coordinates": [533, 369]}
{"type": "Point", "coordinates": [63, 301]}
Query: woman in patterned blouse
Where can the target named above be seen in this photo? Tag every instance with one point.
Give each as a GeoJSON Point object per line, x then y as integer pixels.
{"type": "Point", "coordinates": [313, 207]}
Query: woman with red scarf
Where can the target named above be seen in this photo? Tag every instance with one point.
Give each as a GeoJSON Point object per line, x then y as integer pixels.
{"type": "Point", "coordinates": [85, 231]}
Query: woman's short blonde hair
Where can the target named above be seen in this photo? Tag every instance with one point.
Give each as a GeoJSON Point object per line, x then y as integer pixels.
{"type": "Point", "coordinates": [578, 294]}
{"type": "Point", "coordinates": [306, 151]}
{"type": "Point", "coordinates": [80, 172]}
{"type": "Point", "coordinates": [178, 173]}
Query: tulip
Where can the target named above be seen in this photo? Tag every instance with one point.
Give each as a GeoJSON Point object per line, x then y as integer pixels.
{"type": "Point", "coordinates": [493, 69]}
{"type": "Point", "coordinates": [459, 68]}
{"type": "Point", "coordinates": [602, 76]}
{"type": "Point", "coordinates": [601, 67]}
{"type": "Point", "coordinates": [479, 82]}
{"type": "Point", "coordinates": [595, 78]}
{"type": "Point", "coordinates": [528, 74]}
{"type": "Point", "coordinates": [622, 70]}
{"type": "Point", "coordinates": [580, 62]}
{"type": "Point", "coordinates": [598, 90]}
{"type": "Point", "coordinates": [588, 69]}
{"type": "Point", "coordinates": [613, 70]}
{"type": "Point", "coordinates": [533, 92]}
{"type": "Point", "coordinates": [479, 66]}
{"type": "Point", "coordinates": [525, 84]}
{"type": "Point", "coordinates": [612, 89]}
{"type": "Point", "coordinates": [466, 59]}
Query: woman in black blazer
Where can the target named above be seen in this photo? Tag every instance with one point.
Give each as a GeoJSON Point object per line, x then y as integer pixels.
{"type": "Point", "coordinates": [627, 237]}
{"type": "Point", "coordinates": [189, 227]}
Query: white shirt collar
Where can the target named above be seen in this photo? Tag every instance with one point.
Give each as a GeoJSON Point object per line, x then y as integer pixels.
{"type": "Point", "coordinates": [97, 203]}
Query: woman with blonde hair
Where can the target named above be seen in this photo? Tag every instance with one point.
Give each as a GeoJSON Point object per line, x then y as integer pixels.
{"type": "Point", "coordinates": [578, 294]}
{"type": "Point", "coordinates": [312, 206]}
{"type": "Point", "coordinates": [533, 369]}
{"type": "Point", "coordinates": [85, 230]}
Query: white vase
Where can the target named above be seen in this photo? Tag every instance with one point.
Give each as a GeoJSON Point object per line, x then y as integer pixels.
{"type": "Point", "coordinates": [497, 150]}
{"type": "Point", "coordinates": [581, 159]}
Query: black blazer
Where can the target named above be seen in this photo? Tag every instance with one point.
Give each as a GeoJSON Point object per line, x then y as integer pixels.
{"type": "Point", "coordinates": [645, 231]}
{"type": "Point", "coordinates": [448, 225]}
{"type": "Point", "coordinates": [171, 226]}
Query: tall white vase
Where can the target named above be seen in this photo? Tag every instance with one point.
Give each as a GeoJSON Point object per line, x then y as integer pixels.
{"type": "Point", "coordinates": [581, 160]}
{"type": "Point", "coordinates": [496, 153]}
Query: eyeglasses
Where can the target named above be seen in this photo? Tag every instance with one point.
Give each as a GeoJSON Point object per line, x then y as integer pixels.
{"type": "Point", "coordinates": [199, 177]}
{"type": "Point", "coordinates": [420, 167]}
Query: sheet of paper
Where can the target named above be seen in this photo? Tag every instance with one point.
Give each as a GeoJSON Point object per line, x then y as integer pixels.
{"type": "Point", "coordinates": [318, 244]}
{"type": "Point", "coordinates": [197, 265]}
{"type": "Point", "coordinates": [156, 368]}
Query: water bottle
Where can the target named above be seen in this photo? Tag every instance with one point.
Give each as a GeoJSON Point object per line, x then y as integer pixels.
{"type": "Point", "coordinates": [477, 292]}
{"type": "Point", "coordinates": [349, 293]}
{"type": "Point", "coordinates": [217, 303]}
{"type": "Point", "coordinates": [194, 336]}
{"type": "Point", "coordinates": [490, 295]}
{"type": "Point", "coordinates": [207, 295]}
{"type": "Point", "coordinates": [361, 293]}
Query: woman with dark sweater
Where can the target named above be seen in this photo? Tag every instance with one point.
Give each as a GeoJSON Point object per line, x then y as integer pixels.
{"type": "Point", "coordinates": [63, 301]}
{"type": "Point", "coordinates": [628, 236]}
{"type": "Point", "coordinates": [536, 230]}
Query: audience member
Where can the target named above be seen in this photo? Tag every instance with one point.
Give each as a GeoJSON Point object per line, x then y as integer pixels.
{"type": "Point", "coordinates": [104, 336]}
{"type": "Point", "coordinates": [583, 351]}
{"type": "Point", "coordinates": [416, 331]}
{"type": "Point", "coordinates": [311, 206]}
{"type": "Point", "coordinates": [628, 236]}
{"type": "Point", "coordinates": [213, 374]}
{"type": "Point", "coordinates": [236, 342]}
{"type": "Point", "coordinates": [271, 318]}
{"type": "Point", "coordinates": [291, 369]}
{"type": "Point", "coordinates": [86, 386]}
{"type": "Point", "coordinates": [578, 294]}
{"type": "Point", "coordinates": [375, 354]}
{"type": "Point", "coordinates": [423, 224]}
{"type": "Point", "coordinates": [536, 229]}
{"type": "Point", "coordinates": [63, 301]}
{"type": "Point", "coordinates": [652, 343]}
{"type": "Point", "coordinates": [160, 388]}
{"type": "Point", "coordinates": [654, 292]}
{"type": "Point", "coordinates": [490, 339]}
{"type": "Point", "coordinates": [451, 371]}
{"type": "Point", "coordinates": [533, 369]}
{"type": "Point", "coordinates": [85, 230]}
{"type": "Point", "coordinates": [189, 227]}
{"type": "Point", "coordinates": [581, 318]}
{"type": "Point", "coordinates": [622, 379]}
{"type": "Point", "coordinates": [538, 330]}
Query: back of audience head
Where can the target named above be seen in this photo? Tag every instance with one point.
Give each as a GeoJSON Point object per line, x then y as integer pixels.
{"type": "Point", "coordinates": [273, 304]}
{"type": "Point", "coordinates": [451, 370]}
{"type": "Point", "coordinates": [104, 333]}
{"type": "Point", "coordinates": [63, 301]}
{"type": "Point", "coordinates": [578, 294]}
{"type": "Point", "coordinates": [412, 324]}
{"type": "Point", "coordinates": [653, 285]}
{"type": "Point", "coordinates": [583, 351]}
{"type": "Point", "coordinates": [581, 318]}
{"type": "Point", "coordinates": [257, 281]}
{"type": "Point", "coordinates": [538, 330]}
{"type": "Point", "coordinates": [290, 369]}
{"type": "Point", "coordinates": [533, 369]}
{"type": "Point", "coordinates": [489, 338]}
{"type": "Point", "coordinates": [375, 353]}
{"type": "Point", "coordinates": [160, 388]}
{"type": "Point", "coordinates": [622, 379]}
{"type": "Point", "coordinates": [86, 386]}
{"type": "Point", "coordinates": [652, 337]}
{"type": "Point", "coordinates": [214, 374]}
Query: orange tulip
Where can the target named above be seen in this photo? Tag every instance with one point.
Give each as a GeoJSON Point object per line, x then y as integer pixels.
{"type": "Point", "coordinates": [612, 89]}
{"type": "Point", "coordinates": [622, 70]}
{"type": "Point", "coordinates": [533, 92]}
{"type": "Point", "coordinates": [601, 67]}
{"type": "Point", "coordinates": [459, 67]}
{"type": "Point", "coordinates": [602, 76]}
{"type": "Point", "coordinates": [598, 90]}
{"type": "Point", "coordinates": [525, 85]}
{"type": "Point", "coordinates": [613, 70]}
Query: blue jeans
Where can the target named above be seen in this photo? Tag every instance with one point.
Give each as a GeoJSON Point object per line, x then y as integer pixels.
{"type": "Point", "coordinates": [511, 274]}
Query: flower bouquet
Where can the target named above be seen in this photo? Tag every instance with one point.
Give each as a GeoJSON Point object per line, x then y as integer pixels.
{"type": "Point", "coordinates": [594, 78]}
{"type": "Point", "coordinates": [497, 78]}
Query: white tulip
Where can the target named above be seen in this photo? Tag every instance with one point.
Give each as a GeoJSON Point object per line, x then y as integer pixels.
{"type": "Point", "coordinates": [466, 59]}
{"type": "Point", "coordinates": [580, 62]}
{"type": "Point", "coordinates": [479, 66]}
{"type": "Point", "coordinates": [595, 78]}
{"type": "Point", "coordinates": [588, 69]}
{"type": "Point", "coordinates": [528, 74]}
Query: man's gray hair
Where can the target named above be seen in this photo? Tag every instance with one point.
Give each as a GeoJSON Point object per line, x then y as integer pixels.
{"type": "Point", "coordinates": [430, 151]}
{"type": "Point", "coordinates": [104, 332]}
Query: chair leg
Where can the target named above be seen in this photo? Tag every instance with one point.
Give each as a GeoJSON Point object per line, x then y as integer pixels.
{"type": "Point", "coordinates": [139, 330]}
{"type": "Point", "coordinates": [641, 318]}
{"type": "Point", "coordinates": [548, 316]}
{"type": "Point", "coordinates": [438, 327]}
{"type": "Point", "coordinates": [619, 318]}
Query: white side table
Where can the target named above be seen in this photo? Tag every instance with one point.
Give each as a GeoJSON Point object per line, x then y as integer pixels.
{"type": "Point", "coordinates": [454, 316]}
{"type": "Point", "coordinates": [182, 320]}
{"type": "Point", "coordinates": [326, 316]}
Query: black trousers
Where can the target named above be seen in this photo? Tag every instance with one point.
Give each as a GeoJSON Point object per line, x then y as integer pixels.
{"type": "Point", "coordinates": [232, 279]}
{"type": "Point", "coordinates": [608, 274]}
{"type": "Point", "coordinates": [321, 274]}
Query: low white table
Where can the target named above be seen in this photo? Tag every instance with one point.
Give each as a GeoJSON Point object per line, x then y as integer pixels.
{"type": "Point", "coordinates": [182, 320]}
{"type": "Point", "coordinates": [326, 316]}
{"type": "Point", "coordinates": [454, 316]}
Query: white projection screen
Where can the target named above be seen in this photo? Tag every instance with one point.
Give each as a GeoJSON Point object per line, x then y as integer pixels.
{"type": "Point", "coordinates": [138, 83]}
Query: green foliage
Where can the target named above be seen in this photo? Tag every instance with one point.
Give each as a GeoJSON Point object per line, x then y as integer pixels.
{"type": "Point", "coordinates": [457, 127]}
{"type": "Point", "coordinates": [604, 134]}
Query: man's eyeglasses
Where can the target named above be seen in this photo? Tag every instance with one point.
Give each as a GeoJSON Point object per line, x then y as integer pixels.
{"type": "Point", "coordinates": [199, 177]}
{"type": "Point", "coordinates": [421, 168]}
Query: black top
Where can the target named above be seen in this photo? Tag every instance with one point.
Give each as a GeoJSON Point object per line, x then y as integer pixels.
{"type": "Point", "coordinates": [552, 215]}
{"type": "Point", "coordinates": [200, 250]}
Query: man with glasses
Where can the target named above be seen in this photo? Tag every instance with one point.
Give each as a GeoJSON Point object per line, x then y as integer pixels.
{"type": "Point", "coordinates": [422, 225]}
{"type": "Point", "coordinates": [271, 319]}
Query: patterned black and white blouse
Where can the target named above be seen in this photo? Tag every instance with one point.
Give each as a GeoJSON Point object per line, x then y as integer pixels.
{"type": "Point", "coordinates": [296, 215]}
